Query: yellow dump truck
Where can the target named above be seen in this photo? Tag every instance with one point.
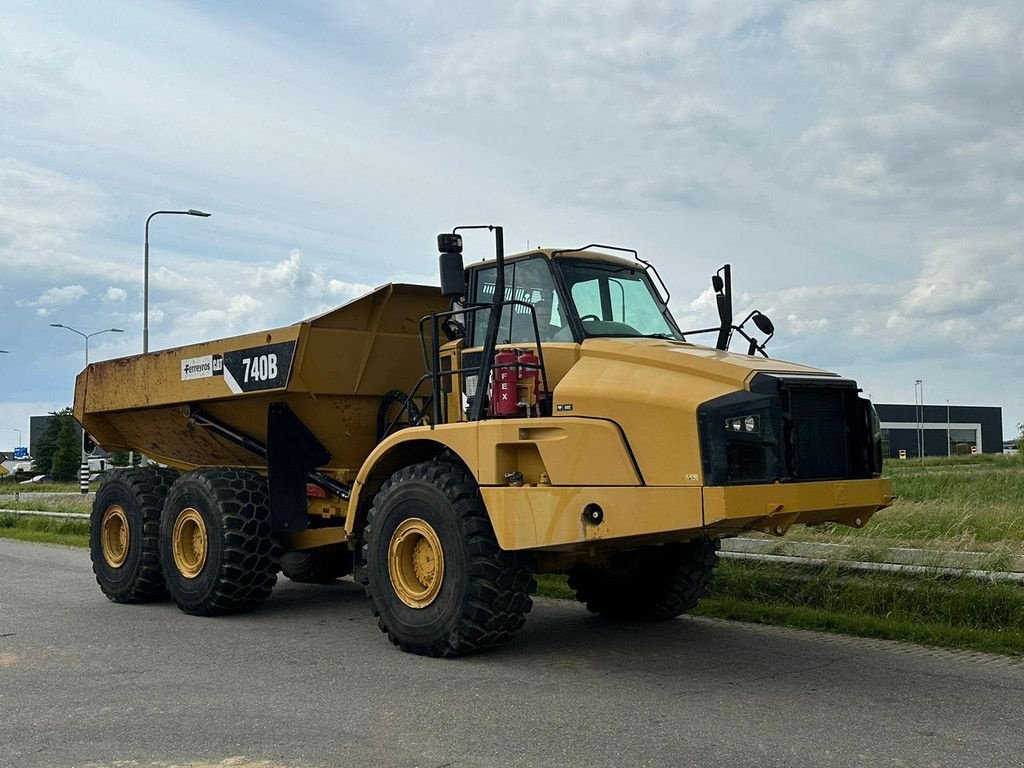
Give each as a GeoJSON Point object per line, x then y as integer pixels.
{"type": "Point", "coordinates": [539, 413]}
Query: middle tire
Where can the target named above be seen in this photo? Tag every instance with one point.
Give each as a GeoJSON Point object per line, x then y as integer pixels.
{"type": "Point", "coordinates": [437, 580]}
{"type": "Point", "coordinates": [653, 583]}
{"type": "Point", "coordinates": [317, 566]}
{"type": "Point", "coordinates": [215, 542]}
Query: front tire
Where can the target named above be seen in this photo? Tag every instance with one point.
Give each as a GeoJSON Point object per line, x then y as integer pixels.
{"type": "Point", "coordinates": [215, 542]}
{"type": "Point", "coordinates": [124, 533]}
{"type": "Point", "coordinates": [436, 578]}
{"type": "Point", "coordinates": [648, 584]}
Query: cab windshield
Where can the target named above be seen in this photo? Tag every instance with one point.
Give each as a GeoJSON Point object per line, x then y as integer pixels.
{"type": "Point", "coordinates": [602, 298]}
{"type": "Point", "coordinates": [615, 300]}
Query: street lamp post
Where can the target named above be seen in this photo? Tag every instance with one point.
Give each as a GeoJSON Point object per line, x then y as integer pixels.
{"type": "Point", "coordinates": [145, 272]}
{"type": "Point", "coordinates": [84, 471]}
{"type": "Point", "coordinates": [86, 336]}
{"type": "Point", "coordinates": [15, 429]}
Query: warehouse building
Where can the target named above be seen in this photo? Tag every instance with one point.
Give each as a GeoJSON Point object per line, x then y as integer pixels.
{"type": "Point", "coordinates": [943, 430]}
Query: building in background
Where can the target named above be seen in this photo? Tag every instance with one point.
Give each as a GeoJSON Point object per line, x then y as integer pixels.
{"type": "Point", "coordinates": [36, 428]}
{"type": "Point", "coordinates": [943, 430]}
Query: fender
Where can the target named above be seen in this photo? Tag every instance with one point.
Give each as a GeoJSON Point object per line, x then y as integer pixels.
{"type": "Point", "coordinates": [553, 451]}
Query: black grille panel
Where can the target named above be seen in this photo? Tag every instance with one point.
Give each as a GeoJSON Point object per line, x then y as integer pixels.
{"type": "Point", "coordinates": [820, 442]}
{"type": "Point", "coordinates": [811, 429]}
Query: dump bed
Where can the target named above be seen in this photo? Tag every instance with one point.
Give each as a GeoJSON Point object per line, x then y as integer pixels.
{"type": "Point", "coordinates": [331, 371]}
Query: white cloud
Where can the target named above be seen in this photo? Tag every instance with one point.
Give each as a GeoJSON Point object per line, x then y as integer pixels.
{"type": "Point", "coordinates": [115, 294]}
{"type": "Point", "coordinates": [42, 209]}
{"type": "Point", "coordinates": [53, 298]}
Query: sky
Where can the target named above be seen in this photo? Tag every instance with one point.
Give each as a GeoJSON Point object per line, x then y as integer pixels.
{"type": "Point", "coordinates": [860, 165]}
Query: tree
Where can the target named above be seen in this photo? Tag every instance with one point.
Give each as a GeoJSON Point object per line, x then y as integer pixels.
{"type": "Point", "coordinates": [59, 438]}
{"type": "Point", "coordinates": [119, 459]}
{"type": "Point", "coordinates": [1020, 438]}
{"type": "Point", "coordinates": [68, 456]}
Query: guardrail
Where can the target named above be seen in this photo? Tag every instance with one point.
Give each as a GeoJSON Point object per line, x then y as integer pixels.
{"type": "Point", "coordinates": [39, 513]}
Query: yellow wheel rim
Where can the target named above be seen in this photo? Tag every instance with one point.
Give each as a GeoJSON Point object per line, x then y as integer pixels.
{"type": "Point", "coordinates": [416, 563]}
{"type": "Point", "coordinates": [114, 535]}
{"type": "Point", "coordinates": [189, 542]}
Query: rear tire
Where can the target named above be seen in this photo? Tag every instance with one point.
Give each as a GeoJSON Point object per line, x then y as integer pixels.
{"type": "Point", "coordinates": [436, 578]}
{"type": "Point", "coordinates": [215, 542]}
{"type": "Point", "coordinates": [648, 584]}
{"type": "Point", "coordinates": [124, 534]}
{"type": "Point", "coordinates": [317, 566]}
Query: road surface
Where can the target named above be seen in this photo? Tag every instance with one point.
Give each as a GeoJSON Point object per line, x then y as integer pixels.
{"type": "Point", "coordinates": [309, 681]}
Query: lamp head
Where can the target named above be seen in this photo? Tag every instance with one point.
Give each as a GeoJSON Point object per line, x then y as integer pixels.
{"type": "Point", "coordinates": [194, 212]}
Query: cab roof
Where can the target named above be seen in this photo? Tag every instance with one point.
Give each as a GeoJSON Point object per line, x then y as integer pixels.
{"type": "Point", "coordinates": [557, 254]}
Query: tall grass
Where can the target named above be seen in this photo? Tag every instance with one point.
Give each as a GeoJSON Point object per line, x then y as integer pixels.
{"type": "Point", "coordinates": [49, 530]}
{"type": "Point", "coordinates": [957, 612]}
{"type": "Point", "coordinates": [65, 506]}
{"type": "Point", "coordinates": [974, 502]}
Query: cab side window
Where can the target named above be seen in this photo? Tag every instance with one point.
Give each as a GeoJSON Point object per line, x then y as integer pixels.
{"type": "Point", "coordinates": [528, 280]}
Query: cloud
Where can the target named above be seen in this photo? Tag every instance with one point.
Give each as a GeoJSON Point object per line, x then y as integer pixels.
{"type": "Point", "coordinates": [115, 294]}
{"type": "Point", "coordinates": [53, 298]}
{"type": "Point", "coordinates": [43, 209]}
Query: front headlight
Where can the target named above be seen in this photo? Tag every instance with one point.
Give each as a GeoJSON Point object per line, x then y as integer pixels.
{"type": "Point", "coordinates": [740, 438]}
{"type": "Point", "coordinates": [749, 424]}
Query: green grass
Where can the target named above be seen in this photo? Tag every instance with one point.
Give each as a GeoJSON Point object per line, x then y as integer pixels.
{"type": "Point", "coordinates": [47, 530]}
{"type": "Point", "coordinates": [10, 486]}
{"type": "Point", "coordinates": [74, 506]}
{"type": "Point", "coordinates": [959, 503]}
{"type": "Point", "coordinates": [941, 611]}
{"type": "Point", "coordinates": [952, 612]}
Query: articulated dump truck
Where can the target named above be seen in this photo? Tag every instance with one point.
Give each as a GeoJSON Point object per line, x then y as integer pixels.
{"type": "Point", "coordinates": [539, 413]}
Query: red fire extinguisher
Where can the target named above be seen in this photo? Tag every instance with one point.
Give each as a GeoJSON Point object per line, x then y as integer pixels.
{"type": "Point", "coordinates": [529, 378]}
{"type": "Point", "coordinates": [503, 384]}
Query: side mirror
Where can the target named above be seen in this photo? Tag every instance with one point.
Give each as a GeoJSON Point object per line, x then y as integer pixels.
{"type": "Point", "coordinates": [453, 272]}
{"type": "Point", "coordinates": [764, 324]}
{"type": "Point", "coordinates": [453, 275]}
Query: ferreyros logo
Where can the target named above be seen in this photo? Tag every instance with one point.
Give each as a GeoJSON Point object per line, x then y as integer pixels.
{"type": "Point", "coordinates": [201, 367]}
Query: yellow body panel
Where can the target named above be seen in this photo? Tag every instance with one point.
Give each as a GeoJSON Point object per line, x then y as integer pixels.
{"type": "Point", "coordinates": [552, 518]}
{"type": "Point", "coordinates": [652, 388]}
{"type": "Point", "coordinates": [779, 505]}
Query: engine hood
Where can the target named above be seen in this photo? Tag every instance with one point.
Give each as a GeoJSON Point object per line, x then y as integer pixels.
{"type": "Point", "coordinates": [652, 389]}
{"type": "Point", "coordinates": [694, 359]}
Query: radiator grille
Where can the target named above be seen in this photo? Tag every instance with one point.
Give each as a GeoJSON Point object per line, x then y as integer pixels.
{"type": "Point", "coordinates": [820, 442]}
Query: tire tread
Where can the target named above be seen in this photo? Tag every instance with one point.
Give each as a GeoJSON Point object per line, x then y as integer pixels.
{"type": "Point", "coordinates": [500, 583]}
{"type": "Point", "coordinates": [649, 584]}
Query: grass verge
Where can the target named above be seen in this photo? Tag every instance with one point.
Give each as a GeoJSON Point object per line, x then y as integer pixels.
{"type": "Point", "coordinates": [64, 506]}
{"type": "Point", "coordinates": [11, 486]}
{"type": "Point", "coordinates": [47, 530]}
{"type": "Point", "coordinates": [940, 611]}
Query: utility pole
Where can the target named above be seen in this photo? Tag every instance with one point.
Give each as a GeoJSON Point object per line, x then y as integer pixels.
{"type": "Point", "coordinates": [145, 271]}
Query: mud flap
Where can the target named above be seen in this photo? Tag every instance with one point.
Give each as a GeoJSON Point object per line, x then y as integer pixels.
{"type": "Point", "coordinates": [292, 452]}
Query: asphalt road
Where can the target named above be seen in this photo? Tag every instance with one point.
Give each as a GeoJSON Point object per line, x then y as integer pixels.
{"type": "Point", "coordinates": [308, 680]}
